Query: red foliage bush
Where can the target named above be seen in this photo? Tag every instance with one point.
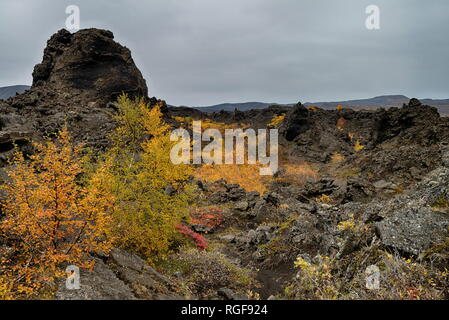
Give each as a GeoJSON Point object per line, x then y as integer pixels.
{"type": "Point", "coordinates": [199, 240]}
{"type": "Point", "coordinates": [209, 216]}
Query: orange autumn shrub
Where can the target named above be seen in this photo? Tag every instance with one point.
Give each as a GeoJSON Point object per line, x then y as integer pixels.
{"type": "Point", "coordinates": [210, 217]}
{"type": "Point", "coordinates": [341, 123]}
{"type": "Point", "coordinates": [245, 175]}
{"type": "Point", "coordinates": [276, 121]}
{"type": "Point", "coordinates": [297, 173]}
{"type": "Point", "coordinates": [51, 217]}
{"type": "Point", "coordinates": [336, 158]}
{"type": "Point", "coordinates": [358, 146]}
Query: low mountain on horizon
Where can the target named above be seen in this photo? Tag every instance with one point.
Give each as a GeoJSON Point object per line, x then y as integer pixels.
{"type": "Point", "coordinates": [244, 106]}
{"type": "Point", "coordinates": [385, 101]}
{"type": "Point", "coordinates": [381, 101]}
{"type": "Point", "coordinates": [11, 91]}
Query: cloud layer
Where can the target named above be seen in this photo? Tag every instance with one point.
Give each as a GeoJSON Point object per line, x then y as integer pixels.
{"type": "Point", "coordinates": [201, 52]}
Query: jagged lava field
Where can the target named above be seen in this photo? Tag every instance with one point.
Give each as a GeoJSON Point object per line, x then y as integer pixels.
{"type": "Point", "coordinates": [355, 188]}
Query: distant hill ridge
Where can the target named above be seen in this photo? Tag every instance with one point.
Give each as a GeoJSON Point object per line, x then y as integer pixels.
{"type": "Point", "coordinates": [376, 102]}
{"type": "Point", "coordinates": [245, 106]}
{"type": "Point", "coordinates": [11, 91]}
{"type": "Point", "coordinates": [381, 101]}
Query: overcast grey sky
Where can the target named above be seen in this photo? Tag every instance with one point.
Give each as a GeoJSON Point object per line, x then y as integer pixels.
{"type": "Point", "coordinates": [202, 52]}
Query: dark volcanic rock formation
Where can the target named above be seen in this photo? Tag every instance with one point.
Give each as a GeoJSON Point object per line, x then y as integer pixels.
{"type": "Point", "coordinates": [402, 142]}
{"type": "Point", "coordinates": [91, 63]}
{"type": "Point", "coordinates": [79, 75]}
{"type": "Point", "coordinates": [124, 276]}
